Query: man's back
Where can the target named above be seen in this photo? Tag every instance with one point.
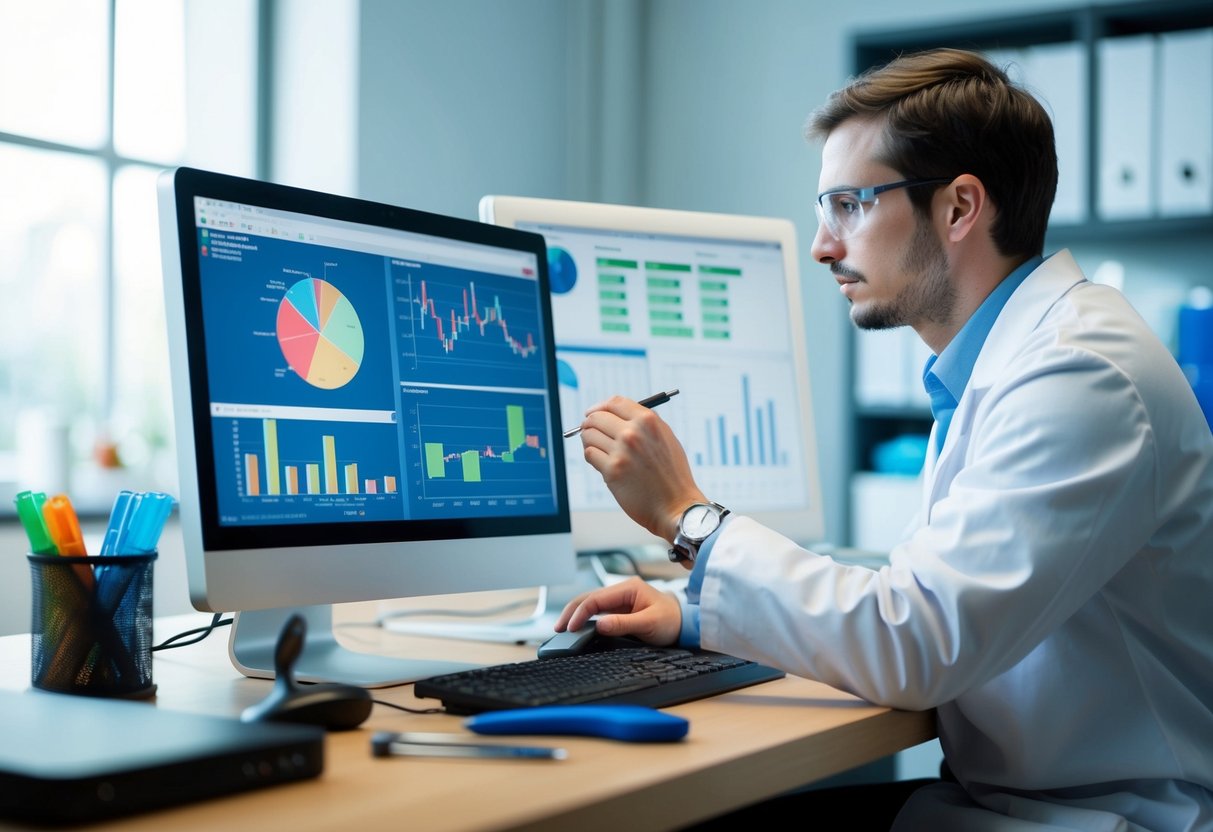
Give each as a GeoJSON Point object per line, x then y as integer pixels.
{"type": "Point", "coordinates": [1100, 690]}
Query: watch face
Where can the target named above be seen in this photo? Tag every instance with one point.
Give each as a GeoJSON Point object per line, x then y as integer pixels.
{"type": "Point", "coordinates": [700, 521]}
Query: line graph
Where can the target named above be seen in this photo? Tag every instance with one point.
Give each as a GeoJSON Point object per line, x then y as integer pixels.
{"type": "Point", "coordinates": [469, 328]}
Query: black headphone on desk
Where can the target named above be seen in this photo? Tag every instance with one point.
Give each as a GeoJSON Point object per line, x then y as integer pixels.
{"type": "Point", "coordinates": [337, 707]}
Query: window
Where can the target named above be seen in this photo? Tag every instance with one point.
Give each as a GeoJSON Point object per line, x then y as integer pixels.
{"type": "Point", "coordinates": [99, 96]}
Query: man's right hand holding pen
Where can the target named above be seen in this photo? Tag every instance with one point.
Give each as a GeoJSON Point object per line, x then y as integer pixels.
{"type": "Point", "coordinates": [642, 463]}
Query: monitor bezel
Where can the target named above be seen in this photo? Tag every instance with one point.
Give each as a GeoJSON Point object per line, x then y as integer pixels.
{"type": "Point", "coordinates": [605, 529]}
{"type": "Point", "coordinates": [233, 567]}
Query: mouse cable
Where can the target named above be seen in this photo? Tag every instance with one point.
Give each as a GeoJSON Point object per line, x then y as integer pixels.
{"type": "Point", "coordinates": [409, 710]}
{"type": "Point", "coordinates": [199, 633]}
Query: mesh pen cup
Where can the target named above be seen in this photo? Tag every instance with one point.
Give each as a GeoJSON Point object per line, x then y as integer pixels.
{"type": "Point", "coordinates": [92, 624]}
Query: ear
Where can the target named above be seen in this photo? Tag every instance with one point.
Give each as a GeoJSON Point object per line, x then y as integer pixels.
{"type": "Point", "coordinates": [966, 206]}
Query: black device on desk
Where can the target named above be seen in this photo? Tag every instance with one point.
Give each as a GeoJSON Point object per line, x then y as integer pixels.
{"type": "Point", "coordinates": [72, 759]}
{"type": "Point", "coordinates": [608, 670]}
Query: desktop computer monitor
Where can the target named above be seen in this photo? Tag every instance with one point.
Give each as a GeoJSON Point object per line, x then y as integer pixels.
{"type": "Point", "coordinates": [366, 406]}
{"type": "Point", "coordinates": [649, 299]}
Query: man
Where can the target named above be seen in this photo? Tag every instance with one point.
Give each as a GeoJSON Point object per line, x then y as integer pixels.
{"type": "Point", "coordinates": [1053, 601]}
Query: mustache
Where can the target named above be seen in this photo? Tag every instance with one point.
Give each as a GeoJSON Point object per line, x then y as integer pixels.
{"type": "Point", "coordinates": [839, 269]}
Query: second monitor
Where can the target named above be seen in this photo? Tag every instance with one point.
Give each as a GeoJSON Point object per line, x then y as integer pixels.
{"type": "Point", "coordinates": [648, 299]}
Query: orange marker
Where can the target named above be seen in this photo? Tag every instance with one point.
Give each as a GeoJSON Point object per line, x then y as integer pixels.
{"type": "Point", "coordinates": [64, 529]}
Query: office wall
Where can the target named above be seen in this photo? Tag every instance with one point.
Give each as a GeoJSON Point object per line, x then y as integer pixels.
{"type": "Point", "coordinates": [694, 104]}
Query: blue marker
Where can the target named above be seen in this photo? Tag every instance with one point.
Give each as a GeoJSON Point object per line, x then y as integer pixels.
{"type": "Point", "coordinates": [148, 514]}
{"type": "Point", "coordinates": [118, 519]}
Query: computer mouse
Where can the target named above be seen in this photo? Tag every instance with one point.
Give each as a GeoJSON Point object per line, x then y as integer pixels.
{"type": "Point", "coordinates": [570, 642]}
{"type": "Point", "coordinates": [586, 639]}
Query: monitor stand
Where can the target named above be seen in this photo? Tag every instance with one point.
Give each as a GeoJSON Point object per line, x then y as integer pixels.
{"type": "Point", "coordinates": [254, 639]}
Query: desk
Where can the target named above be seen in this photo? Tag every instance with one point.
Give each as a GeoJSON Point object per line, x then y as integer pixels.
{"type": "Point", "coordinates": [743, 746]}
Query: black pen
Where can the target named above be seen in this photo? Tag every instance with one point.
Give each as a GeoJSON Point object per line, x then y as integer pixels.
{"type": "Point", "coordinates": [648, 401]}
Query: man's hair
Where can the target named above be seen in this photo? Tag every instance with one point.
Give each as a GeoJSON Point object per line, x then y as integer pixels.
{"type": "Point", "coordinates": [947, 112]}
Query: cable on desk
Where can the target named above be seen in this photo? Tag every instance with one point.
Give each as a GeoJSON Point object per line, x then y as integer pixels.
{"type": "Point", "coordinates": [199, 633]}
{"type": "Point", "coordinates": [410, 710]}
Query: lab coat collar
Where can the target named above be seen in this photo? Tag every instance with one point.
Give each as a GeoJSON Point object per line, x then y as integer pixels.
{"type": "Point", "coordinates": [1023, 312]}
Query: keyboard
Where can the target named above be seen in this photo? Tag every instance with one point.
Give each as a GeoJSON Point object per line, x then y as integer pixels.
{"type": "Point", "coordinates": [634, 674]}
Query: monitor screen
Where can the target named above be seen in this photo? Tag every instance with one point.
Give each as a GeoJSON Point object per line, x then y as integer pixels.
{"type": "Point", "coordinates": [648, 299]}
{"type": "Point", "coordinates": [366, 406]}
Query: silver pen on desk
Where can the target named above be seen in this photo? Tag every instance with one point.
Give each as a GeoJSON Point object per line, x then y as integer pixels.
{"type": "Point", "coordinates": [422, 744]}
{"type": "Point", "coordinates": [647, 401]}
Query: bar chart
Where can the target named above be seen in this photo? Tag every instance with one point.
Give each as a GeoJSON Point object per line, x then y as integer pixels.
{"type": "Point", "coordinates": [476, 445]}
{"type": "Point", "coordinates": [736, 421]}
{"type": "Point", "coordinates": [313, 467]}
{"type": "Point", "coordinates": [324, 476]}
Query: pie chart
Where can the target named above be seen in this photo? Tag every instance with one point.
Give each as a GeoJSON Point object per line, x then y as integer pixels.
{"type": "Point", "coordinates": [320, 334]}
{"type": "Point", "coordinates": [562, 271]}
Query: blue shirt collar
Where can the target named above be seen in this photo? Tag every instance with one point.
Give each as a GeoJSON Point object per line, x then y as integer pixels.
{"type": "Point", "coordinates": [953, 367]}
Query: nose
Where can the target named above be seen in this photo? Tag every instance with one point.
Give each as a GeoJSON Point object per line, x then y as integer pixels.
{"type": "Point", "coordinates": [825, 248]}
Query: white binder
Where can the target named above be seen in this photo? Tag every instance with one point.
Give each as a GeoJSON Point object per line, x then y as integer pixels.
{"type": "Point", "coordinates": [880, 367]}
{"type": "Point", "coordinates": [1127, 117]}
{"type": "Point", "coordinates": [1185, 159]}
{"type": "Point", "coordinates": [1057, 74]}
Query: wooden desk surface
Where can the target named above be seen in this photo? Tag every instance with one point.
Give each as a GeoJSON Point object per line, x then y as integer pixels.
{"type": "Point", "coordinates": [742, 746]}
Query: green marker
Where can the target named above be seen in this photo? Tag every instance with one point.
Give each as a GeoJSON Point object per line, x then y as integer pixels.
{"type": "Point", "coordinates": [29, 510]}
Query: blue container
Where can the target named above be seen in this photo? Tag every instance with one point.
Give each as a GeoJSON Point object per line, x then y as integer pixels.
{"type": "Point", "coordinates": [1195, 352]}
{"type": "Point", "coordinates": [1196, 335]}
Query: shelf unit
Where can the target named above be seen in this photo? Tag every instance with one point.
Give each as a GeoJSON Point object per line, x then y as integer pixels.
{"type": "Point", "coordinates": [1086, 26]}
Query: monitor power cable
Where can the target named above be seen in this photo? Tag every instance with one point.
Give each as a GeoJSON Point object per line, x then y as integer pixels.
{"type": "Point", "coordinates": [199, 633]}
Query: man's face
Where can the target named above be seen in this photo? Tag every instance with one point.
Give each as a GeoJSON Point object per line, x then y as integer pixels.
{"type": "Point", "coordinates": [892, 267]}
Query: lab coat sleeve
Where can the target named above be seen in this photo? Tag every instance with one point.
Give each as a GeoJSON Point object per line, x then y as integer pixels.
{"type": "Point", "coordinates": [1056, 493]}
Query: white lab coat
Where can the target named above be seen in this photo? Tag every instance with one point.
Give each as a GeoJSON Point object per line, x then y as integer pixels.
{"type": "Point", "coordinates": [1055, 600]}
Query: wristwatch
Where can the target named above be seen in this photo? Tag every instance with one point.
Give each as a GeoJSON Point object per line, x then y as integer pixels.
{"type": "Point", "coordinates": [695, 526]}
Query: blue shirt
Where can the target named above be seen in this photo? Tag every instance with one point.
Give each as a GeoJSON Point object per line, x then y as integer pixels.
{"type": "Point", "coordinates": [945, 377]}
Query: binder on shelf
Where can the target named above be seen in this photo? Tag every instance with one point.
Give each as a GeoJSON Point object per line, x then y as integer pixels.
{"type": "Point", "coordinates": [880, 361]}
{"type": "Point", "coordinates": [1185, 158]}
{"type": "Point", "coordinates": [1057, 74]}
{"type": "Point", "coordinates": [888, 368]}
{"type": "Point", "coordinates": [1127, 115]}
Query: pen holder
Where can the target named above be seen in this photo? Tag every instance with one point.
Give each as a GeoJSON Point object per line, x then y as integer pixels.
{"type": "Point", "coordinates": [92, 624]}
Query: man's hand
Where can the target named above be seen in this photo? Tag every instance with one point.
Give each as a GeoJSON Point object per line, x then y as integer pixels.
{"type": "Point", "coordinates": [628, 608]}
{"type": "Point", "coordinates": [642, 463]}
